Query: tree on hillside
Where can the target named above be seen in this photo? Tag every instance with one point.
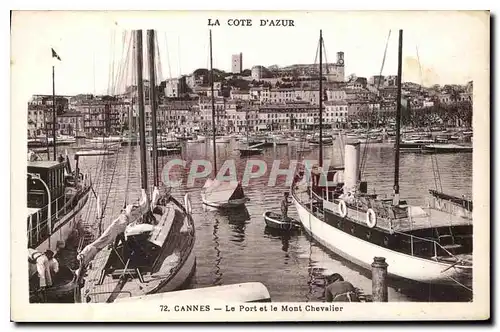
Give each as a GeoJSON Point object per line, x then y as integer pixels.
{"type": "Point", "coordinates": [246, 72]}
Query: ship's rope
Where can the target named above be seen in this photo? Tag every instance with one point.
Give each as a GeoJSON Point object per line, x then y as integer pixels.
{"type": "Point", "coordinates": [435, 166]}
{"type": "Point", "coordinates": [168, 57]}
{"type": "Point", "coordinates": [365, 148]}
{"type": "Point", "coordinates": [460, 284]}
{"type": "Point", "coordinates": [129, 147]}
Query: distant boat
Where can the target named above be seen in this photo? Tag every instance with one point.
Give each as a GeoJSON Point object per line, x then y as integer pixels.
{"type": "Point", "coordinates": [222, 140]}
{"type": "Point", "coordinates": [91, 153]}
{"type": "Point", "coordinates": [166, 150]}
{"type": "Point", "coordinates": [250, 151]}
{"type": "Point", "coordinates": [326, 141]}
{"type": "Point", "coordinates": [106, 139]}
{"type": "Point", "coordinates": [414, 145]}
{"type": "Point", "coordinates": [446, 148]}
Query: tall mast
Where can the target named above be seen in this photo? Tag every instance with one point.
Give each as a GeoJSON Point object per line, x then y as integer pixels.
{"type": "Point", "coordinates": [398, 120]}
{"type": "Point", "coordinates": [53, 112]}
{"type": "Point", "coordinates": [140, 102]}
{"type": "Point", "coordinates": [45, 111]}
{"type": "Point", "coordinates": [213, 106]}
{"type": "Point", "coordinates": [152, 102]}
{"type": "Point", "coordinates": [320, 98]}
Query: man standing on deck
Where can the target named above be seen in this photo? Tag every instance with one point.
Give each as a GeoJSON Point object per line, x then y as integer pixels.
{"type": "Point", "coordinates": [53, 263]}
{"type": "Point", "coordinates": [284, 207]}
{"type": "Point", "coordinates": [41, 265]}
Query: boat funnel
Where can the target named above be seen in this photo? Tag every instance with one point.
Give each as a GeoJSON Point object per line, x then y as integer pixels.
{"type": "Point", "coordinates": [351, 166]}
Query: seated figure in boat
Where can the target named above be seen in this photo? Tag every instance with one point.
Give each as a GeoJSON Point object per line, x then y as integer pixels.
{"type": "Point", "coordinates": [339, 290]}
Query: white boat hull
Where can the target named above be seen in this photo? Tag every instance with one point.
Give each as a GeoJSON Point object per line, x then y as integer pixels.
{"type": "Point", "coordinates": [362, 253]}
{"type": "Point", "coordinates": [182, 276]}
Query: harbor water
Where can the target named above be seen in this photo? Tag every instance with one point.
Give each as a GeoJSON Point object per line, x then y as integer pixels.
{"type": "Point", "coordinates": [235, 246]}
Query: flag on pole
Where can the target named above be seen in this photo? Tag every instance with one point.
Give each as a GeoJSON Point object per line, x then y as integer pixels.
{"type": "Point", "coordinates": [54, 55]}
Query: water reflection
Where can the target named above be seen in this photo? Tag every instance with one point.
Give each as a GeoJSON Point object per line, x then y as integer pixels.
{"type": "Point", "coordinates": [218, 255]}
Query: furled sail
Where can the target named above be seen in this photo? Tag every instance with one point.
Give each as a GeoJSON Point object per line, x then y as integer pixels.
{"type": "Point", "coordinates": [131, 214]}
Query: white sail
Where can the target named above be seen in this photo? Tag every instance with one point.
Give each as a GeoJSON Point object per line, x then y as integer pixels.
{"type": "Point", "coordinates": [131, 214]}
{"type": "Point", "coordinates": [154, 198]}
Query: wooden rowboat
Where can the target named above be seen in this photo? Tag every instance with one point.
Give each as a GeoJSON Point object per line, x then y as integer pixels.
{"type": "Point", "coordinates": [274, 220]}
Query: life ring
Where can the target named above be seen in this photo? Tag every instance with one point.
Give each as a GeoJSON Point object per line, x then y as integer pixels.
{"type": "Point", "coordinates": [371, 218]}
{"type": "Point", "coordinates": [342, 209]}
{"type": "Point", "coordinates": [187, 203]}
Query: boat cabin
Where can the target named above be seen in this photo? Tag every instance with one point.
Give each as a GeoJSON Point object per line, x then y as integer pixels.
{"type": "Point", "coordinates": [50, 172]}
{"type": "Point", "coordinates": [332, 187]}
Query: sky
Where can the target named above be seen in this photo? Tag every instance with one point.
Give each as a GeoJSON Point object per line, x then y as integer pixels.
{"type": "Point", "coordinates": [453, 47]}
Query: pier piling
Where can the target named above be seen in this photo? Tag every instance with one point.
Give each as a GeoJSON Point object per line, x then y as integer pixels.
{"type": "Point", "coordinates": [379, 279]}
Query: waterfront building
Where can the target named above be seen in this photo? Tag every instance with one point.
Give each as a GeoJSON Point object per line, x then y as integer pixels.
{"type": "Point", "coordinates": [102, 117]}
{"type": "Point", "coordinates": [70, 123]}
{"type": "Point", "coordinates": [336, 94]}
{"type": "Point", "coordinates": [240, 94]}
{"type": "Point", "coordinates": [175, 115]}
{"type": "Point", "coordinates": [336, 113]}
{"type": "Point", "coordinates": [36, 119]}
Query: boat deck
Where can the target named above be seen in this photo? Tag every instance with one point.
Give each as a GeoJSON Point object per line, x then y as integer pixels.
{"type": "Point", "coordinates": [124, 284]}
{"type": "Point", "coordinates": [420, 218]}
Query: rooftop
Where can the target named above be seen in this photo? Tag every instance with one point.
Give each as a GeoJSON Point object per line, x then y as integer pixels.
{"type": "Point", "coordinates": [43, 163]}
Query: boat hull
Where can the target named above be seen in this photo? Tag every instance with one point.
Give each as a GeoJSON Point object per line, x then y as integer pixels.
{"type": "Point", "coordinates": [362, 253]}
{"type": "Point", "coordinates": [272, 221]}
{"type": "Point", "coordinates": [182, 277]}
{"type": "Point", "coordinates": [446, 149]}
{"type": "Point", "coordinates": [250, 152]}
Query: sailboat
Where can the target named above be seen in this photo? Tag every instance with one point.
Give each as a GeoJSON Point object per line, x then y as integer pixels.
{"type": "Point", "coordinates": [215, 193]}
{"type": "Point", "coordinates": [251, 149]}
{"type": "Point", "coordinates": [148, 248]}
{"type": "Point", "coordinates": [423, 244]}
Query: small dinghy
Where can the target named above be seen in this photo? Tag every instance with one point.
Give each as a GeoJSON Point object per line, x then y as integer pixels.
{"type": "Point", "coordinates": [275, 221]}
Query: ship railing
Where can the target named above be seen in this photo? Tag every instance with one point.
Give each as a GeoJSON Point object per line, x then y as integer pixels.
{"type": "Point", "coordinates": [38, 228]}
{"type": "Point", "coordinates": [438, 249]}
{"type": "Point", "coordinates": [449, 206]}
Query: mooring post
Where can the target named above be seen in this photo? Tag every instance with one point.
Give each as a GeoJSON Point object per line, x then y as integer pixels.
{"type": "Point", "coordinates": [379, 279]}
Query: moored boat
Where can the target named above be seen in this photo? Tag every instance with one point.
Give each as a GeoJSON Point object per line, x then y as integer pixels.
{"type": "Point", "coordinates": [149, 247]}
{"type": "Point", "coordinates": [250, 151]}
{"type": "Point", "coordinates": [446, 148]}
{"type": "Point", "coordinates": [223, 194]}
{"type": "Point", "coordinates": [275, 220]}
{"type": "Point", "coordinates": [430, 244]}
{"type": "Point", "coordinates": [215, 193]}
